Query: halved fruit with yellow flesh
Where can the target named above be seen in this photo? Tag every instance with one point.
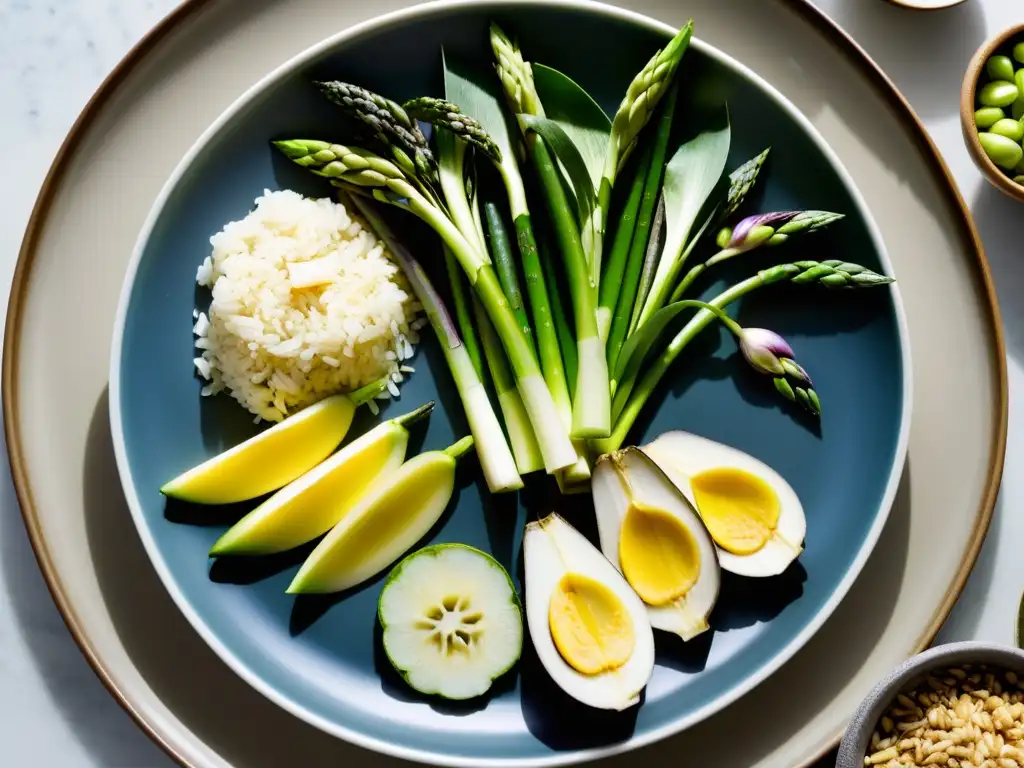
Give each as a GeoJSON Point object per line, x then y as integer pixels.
{"type": "Point", "coordinates": [313, 504]}
{"type": "Point", "coordinates": [752, 513]}
{"type": "Point", "coordinates": [269, 460]}
{"type": "Point", "coordinates": [590, 625]}
{"type": "Point", "coordinates": [651, 533]}
{"type": "Point", "coordinates": [589, 629]}
{"type": "Point", "coordinates": [383, 525]}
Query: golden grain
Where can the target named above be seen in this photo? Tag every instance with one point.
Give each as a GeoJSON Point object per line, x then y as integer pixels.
{"type": "Point", "coordinates": [960, 718]}
{"type": "Point", "coordinates": [881, 757]}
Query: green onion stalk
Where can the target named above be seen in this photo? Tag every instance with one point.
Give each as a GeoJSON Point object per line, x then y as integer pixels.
{"type": "Point", "coordinates": [632, 394]}
{"type": "Point", "coordinates": [591, 407]}
{"type": "Point", "coordinates": [447, 115]}
{"type": "Point", "coordinates": [463, 308]}
{"type": "Point", "coordinates": [618, 297]}
{"type": "Point", "coordinates": [387, 183]}
{"type": "Point", "coordinates": [625, 226]}
{"type": "Point", "coordinates": [545, 323]}
{"type": "Point", "coordinates": [496, 460]}
{"type": "Point", "coordinates": [517, 422]}
{"type": "Point", "coordinates": [637, 106]}
{"type": "Point", "coordinates": [524, 443]}
{"type": "Point", "coordinates": [452, 171]}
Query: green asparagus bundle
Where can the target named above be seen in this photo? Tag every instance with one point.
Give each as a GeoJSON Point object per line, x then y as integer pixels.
{"type": "Point", "coordinates": [622, 306]}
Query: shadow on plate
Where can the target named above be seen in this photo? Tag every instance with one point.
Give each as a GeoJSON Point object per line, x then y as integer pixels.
{"type": "Point", "coordinates": [249, 569]}
{"type": "Point", "coordinates": [691, 657]}
{"type": "Point", "coordinates": [213, 515]}
{"type": "Point", "coordinates": [561, 722]}
{"type": "Point", "coordinates": [746, 601]}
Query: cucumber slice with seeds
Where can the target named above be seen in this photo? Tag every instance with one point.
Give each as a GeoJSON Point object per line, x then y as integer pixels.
{"type": "Point", "coordinates": [452, 621]}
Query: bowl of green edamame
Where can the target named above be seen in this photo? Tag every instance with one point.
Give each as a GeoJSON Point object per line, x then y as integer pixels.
{"type": "Point", "coordinates": [992, 110]}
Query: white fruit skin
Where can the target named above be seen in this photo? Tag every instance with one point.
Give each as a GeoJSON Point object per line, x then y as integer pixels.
{"type": "Point", "coordinates": [420, 521]}
{"type": "Point", "coordinates": [682, 455]}
{"type": "Point", "coordinates": [688, 615]}
{"type": "Point", "coordinates": [421, 585]}
{"type": "Point", "coordinates": [551, 549]}
{"type": "Point", "coordinates": [547, 425]}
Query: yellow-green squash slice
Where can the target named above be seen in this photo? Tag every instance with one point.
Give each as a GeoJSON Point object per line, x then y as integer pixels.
{"type": "Point", "coordinates": [387, 522]}
{"type": "Point", "coordinates": [274, 457]}
{"type": "Point", "coordinates": [313, 504]}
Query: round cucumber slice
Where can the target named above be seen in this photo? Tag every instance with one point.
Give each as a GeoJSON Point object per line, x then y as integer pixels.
{"type": "Point", "coordinates": [452, 620]}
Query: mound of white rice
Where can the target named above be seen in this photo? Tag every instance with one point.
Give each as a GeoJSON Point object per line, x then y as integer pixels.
{"type": "Point", "coordinates": [306, 303]}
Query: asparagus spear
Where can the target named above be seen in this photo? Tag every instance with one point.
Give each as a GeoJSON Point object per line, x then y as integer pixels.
{"type": "Point", "coordinates": [448, 115]}
{"type": "Point", "coordinates": [631, 396]}
{"type": "Point", "coordinates": [769, 353]}
{"type": "Point", "coordinates": [611, 280]}
{"type": "Point", "coordinates": [753, 232]}
{"type": "Point", "coordinates": [501, 248]}
{"type": "Point", "coordinates": [591, 399]}
{"type": "Point", "coordinates": [741, 181]}
{"type": "Point", "coordinates": [389, 184]}
{"type": "Point", "coordinates": [637, 106]}
{"type": "Point", "coordinates": [391, 125]}
{"type": "Point", "coordinates": [769, 229]}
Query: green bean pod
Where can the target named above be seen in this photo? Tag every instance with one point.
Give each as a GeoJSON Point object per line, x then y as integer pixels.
{"type": "Point", "coordinates": [999, 68]}
{"type": "Point", "coordinates": [1008, 127]}
{"type": "Point", "coordinates": [986, 117]}
{"type": "Point", "coordinates": [998, 93]}
{"type": "Point", "coordinates": [1004, 152]}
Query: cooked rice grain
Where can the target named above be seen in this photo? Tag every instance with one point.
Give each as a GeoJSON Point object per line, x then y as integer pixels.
{"type": "Point", "coordinates": [277, 347]}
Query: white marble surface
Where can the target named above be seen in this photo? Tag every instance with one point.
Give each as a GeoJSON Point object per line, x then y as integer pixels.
{"type": "Point", "coordinates": [54, 713]}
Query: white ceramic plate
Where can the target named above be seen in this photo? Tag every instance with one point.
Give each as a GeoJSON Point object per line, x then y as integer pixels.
{"type": "Point", "coordinates": [154, 108]}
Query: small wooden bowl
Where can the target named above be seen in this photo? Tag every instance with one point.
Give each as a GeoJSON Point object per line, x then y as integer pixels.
{"type": "Point", "coordinates": [975, 71]}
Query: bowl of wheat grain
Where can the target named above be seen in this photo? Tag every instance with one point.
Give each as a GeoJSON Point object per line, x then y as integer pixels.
{"type": "Point", "coordinates": [959, 705]}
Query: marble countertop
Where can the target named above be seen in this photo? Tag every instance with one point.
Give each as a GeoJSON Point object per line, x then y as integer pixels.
{"type": "Point", "coordinates": [53, 710]}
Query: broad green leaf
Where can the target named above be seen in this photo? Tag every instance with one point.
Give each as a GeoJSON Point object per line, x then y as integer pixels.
{"type": "Point", "coordinates": [478, 93]}
{"type": "Point", "coordinates": [568, 154]}
{"type": "Point", "coordinates": [637, 346]}
{"type": "Point", "coordinates": [583, 120]}
{"type": "Point", "coordinates": [690, 177]}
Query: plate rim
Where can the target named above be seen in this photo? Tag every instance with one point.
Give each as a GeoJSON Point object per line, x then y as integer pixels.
{"type": "Point", "coordinates": [290, 702]}
{"type": "Point", "coordinates": [186, 10]}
